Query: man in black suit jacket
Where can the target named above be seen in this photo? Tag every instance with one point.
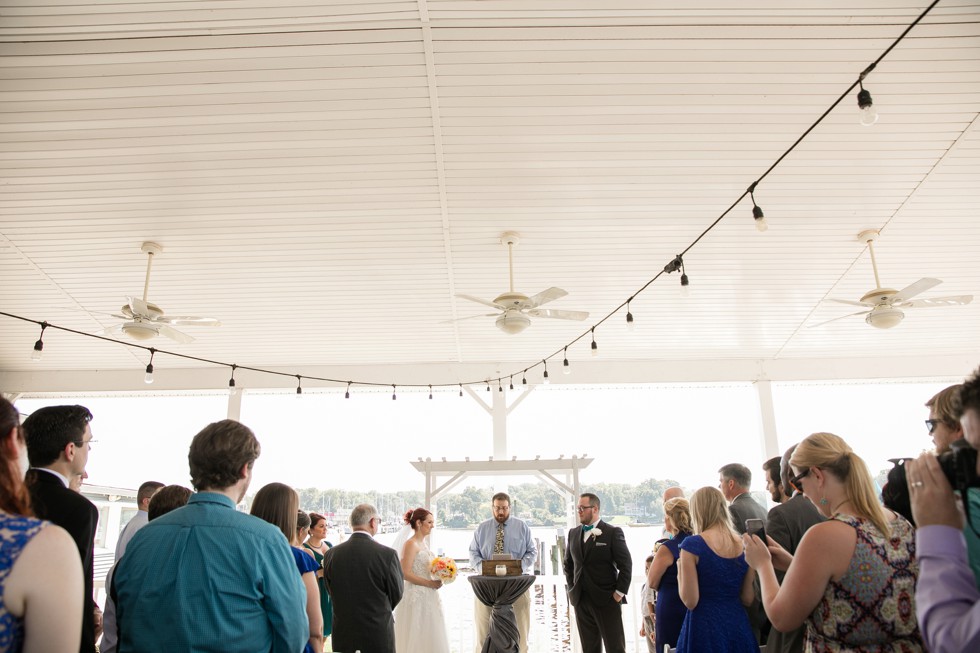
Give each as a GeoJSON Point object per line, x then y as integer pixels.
{"type": "Point", "coordinates": [787, 523]}
{"type": "Point", "coordinates": [598, 570]}
{"type": "Point", "coordinates": [58, 440]}
{"type": "Point", "coordinates": [366, 583]}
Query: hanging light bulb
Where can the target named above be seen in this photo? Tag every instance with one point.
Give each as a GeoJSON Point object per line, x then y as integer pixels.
{"type": "Point", "coordinates": [685, 282]}
{"type": "Point", "coordinates": [546, 379]}
{"type": "Point", "coordinates": [39, 344]}
{"type": "Point", "coordinates": [232, 389]}
{"type": "Point", "coordinates": [500, 386]}
{"type": "Point", "coordinates": [347, 393]}
{"type": "Point", "coordinates": [460, 389]}
{"type": "Point", "coordinates": [149, 367]}
{"type": "Point", "coordinates": [299, 386]}
{"type": "Point", "coordinates": [565, 367]}
{"type": "Point", "coordinates": [394, 392]}
{"type": "Point", "coordinates": [869, 115]}
{"type": "Point", "coordinates": [630, 325]}
{"type": "Point", "coordinates": [524, 378]}
{"type": "Point", "coordinates": [757, 214]}
{"type": "Point", "coordinates": [595, 347]}
{"type": "Point", "coordinates": [430, 391]}
{"type": "Point", "coordinates": [511, 381]}
{"type": "Point", "coordinates": [488, 386]}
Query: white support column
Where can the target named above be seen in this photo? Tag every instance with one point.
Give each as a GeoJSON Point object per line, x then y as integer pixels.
{"type": "Point", "coordinates": [767, 415]}
{"type": "Point", "coordinates": [235, 405]}
{"type": "Point", "coordinates": [499, 414]}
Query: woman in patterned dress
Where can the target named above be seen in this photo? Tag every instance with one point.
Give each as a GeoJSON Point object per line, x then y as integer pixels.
{"type": "Point", "coordinates": [40, 571]}
{"type": "Point", "coordinates": [852, 580]}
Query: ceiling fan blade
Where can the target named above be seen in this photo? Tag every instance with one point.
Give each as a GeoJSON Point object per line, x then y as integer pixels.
{"type": "Point", "coordinates": [558, 314]}
{"type": "Point", "coordinates": [174, 334]}
{"type": "Point", "coordinates": [188, 320]}
{"type": "Point", "coordinates": [545, 296]}
{"type": "Point", "coordinates": [849, 302]}
{"type": "Point", "coordinates": [138, 306]}
{"type": "Point", "coordinates": [813, 326]}
{"type": "Point", "coordinates": [479, 301]}
{"type": "Point", "coordinates": [953, 300]}
{"type": "Point", "coordinates": [911, 291]}
{"type": "Point", "coordinates": [469, 317]}
{"type": "Point", "coordinates": [114, 330]}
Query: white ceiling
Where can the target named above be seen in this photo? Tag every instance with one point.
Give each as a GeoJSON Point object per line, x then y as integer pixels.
{"type": "Point", "coordinates": [325, 176]}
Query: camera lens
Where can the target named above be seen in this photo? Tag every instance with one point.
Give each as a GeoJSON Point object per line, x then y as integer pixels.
{"type": "Point", "coordinates": [960, 467]}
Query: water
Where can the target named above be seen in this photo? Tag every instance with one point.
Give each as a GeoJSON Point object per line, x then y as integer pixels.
{"type": "Point", "coordinates": [550, 612]}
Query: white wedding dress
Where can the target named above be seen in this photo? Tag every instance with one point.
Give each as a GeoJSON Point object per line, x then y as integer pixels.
{"type": "Point", "coordinates": [420, 626]}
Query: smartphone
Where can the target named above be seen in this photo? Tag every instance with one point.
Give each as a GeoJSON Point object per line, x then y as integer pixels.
{"type": "Point", "coordinates": [756, 527]}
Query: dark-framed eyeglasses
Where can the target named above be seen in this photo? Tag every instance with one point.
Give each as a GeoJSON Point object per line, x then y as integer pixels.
{"type": "Point", "coordinates": [797, 481]}
{"type": "Point", "coordinates": [931, 424]}
{"type": "Point", "coordinates": [584, 508]}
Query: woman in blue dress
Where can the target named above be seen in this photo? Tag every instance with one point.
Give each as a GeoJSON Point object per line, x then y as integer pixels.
{"type": "Point", "coordinates": [714, 581]}
{"type": "Point", "coordinates": [278, 504]}
{"type": "Point", "coordinates": [662, 576]}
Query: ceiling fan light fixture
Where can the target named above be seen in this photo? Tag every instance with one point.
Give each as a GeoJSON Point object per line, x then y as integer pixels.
{"type": "Point", "coordinates": [513, 322]}
{"type": "Point", "coordinates": [140, 330]}
{"type": "Point", "coordinates": [885, 317]}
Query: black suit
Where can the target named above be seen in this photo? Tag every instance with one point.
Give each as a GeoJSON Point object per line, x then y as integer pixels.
{"type": "Point", "coordinates": [79, 516]}
{"type": "Point", "coordinates": [787, 524]}
{"type": "Point", "coordinates": [365, 581]}
{"type": "Point", "coordinates": [594, 569]}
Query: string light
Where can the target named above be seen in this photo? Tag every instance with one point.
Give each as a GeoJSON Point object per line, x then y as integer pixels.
{"type": "Point", "coordinates": [565, 367]}
{"type": "Point", "coordinates": [299, 386]}
{"type": "Point", "coordinates": [630, 326]}
{"type": "Point", "coordinates": [757, 214]}
{"type": "Point", "coordinates": [546, 379]}
{"type": "Point", "coordinates": [675, 264]}
{"type": "Point", "coordinates": [430, 391]}
{"type": "Point", "coordinates": [347, 393]}
{"type": "Point", "coordinates": [232, 390]}
{"type": "Point", "coordinates": [39, 345]}
{"type": "Point", "coordinates": [149, 367]}
{"type": "Point", "coordinates": [460, 389]}
{"type": "Point", "coordinates": [524, 378]}
{"type": "Point", "coordinates": [394, 392]}
{"type": "Point", "coordinates": [500, 386]}
{"type": "Point", "coordinates": [595, 347]}
{"type": "Point", "coordinates": [488, 385]}
{"type": "Point", "coordinates": [511, 381]}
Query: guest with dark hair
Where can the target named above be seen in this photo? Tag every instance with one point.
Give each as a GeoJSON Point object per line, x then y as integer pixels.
{"type": "Point", "coordinates": [318, 546]}
{"type": "Point", "coordinates": [205, 576]}
{"type": "Point", "coordinates": [895, 492]}
{"type": "Point", "coordinates": [774, 483]}
{"type": "Point", "coordinates": [162, 501]}
{"type": "Point", "coordinates": [662, 575]}
{"type": "Point", "coordinates": [278, 504]}
{"type": "Point", "coordinates": [40, 572]}
{"type": "Point", "coordinates": [787, 523]}
{"type": "Point", "coordinates": [58, 444]}
{"type": "Point", "coordinates": [847, 568]}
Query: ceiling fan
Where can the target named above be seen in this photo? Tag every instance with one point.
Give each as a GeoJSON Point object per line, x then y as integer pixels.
{"type": "Point", "coordinates": [515, 308]}
{"type": "Point", "coordinates": [885, 304]}
{"type": "Point", "coordinates": [145, 320]}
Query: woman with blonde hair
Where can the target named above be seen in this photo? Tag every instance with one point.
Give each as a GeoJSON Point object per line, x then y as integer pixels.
{"type": "Point", "coordinates": [852, 580]}
{"type": "Point", "coordinates": [714, 581]}
{"type": "Point", "coordinates": [662, 575]}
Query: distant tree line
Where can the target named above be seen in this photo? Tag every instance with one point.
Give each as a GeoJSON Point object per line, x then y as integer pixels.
{"type": "Point", "coordinates": [535, 502]}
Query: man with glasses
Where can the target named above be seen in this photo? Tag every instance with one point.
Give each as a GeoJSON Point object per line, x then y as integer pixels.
{"type": "Point", "coordinates": [365, 582]}
{"type": "Point", "coordinates": [58, 442]}
{"type": "Point", "coordinates": [598, 569]}
{"type": "Point", "coordinates": [503, 535]}
{"type": "Point", "coordinates": [787, 523]}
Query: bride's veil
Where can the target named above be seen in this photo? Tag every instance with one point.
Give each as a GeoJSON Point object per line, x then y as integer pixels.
{"type": "Point", "coordinates": [403, 536]}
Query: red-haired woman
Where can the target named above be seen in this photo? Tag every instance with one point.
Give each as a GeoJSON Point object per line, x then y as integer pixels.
{"type": "Point", "coordinates": [419, 622]}
{"type": "Point", "coordinates": [40, 571]}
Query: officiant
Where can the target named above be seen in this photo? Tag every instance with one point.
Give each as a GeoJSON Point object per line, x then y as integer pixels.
{"type": "Point", "coordinates": [503, 534]}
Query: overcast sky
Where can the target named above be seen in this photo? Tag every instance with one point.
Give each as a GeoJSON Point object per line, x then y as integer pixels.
{"type": "Point", "coordinates": [681, 432]}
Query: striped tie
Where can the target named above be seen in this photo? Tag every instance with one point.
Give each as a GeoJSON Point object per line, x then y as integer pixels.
{"type": "Point", "coordinates": [498, 545]}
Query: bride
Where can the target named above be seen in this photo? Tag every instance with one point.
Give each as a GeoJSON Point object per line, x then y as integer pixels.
{"type": "Point", "coordinates": [419, 622]}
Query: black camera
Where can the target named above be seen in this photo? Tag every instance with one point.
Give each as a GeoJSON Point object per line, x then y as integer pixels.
{"type": "Point", "coordinates": [959, 464]}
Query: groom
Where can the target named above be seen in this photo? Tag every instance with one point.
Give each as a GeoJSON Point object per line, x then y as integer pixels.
{"type": "Point", "coordinates": [598, 567]}
{"type": "Point", "coordinates": [365, 581]}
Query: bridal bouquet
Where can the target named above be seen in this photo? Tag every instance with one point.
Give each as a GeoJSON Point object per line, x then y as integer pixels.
{"type": "Point", "coordinates": [443, 569]}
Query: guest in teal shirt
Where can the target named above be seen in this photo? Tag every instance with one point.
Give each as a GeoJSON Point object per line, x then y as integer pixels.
{"type": "Point", "coordinates": [206, 577]}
